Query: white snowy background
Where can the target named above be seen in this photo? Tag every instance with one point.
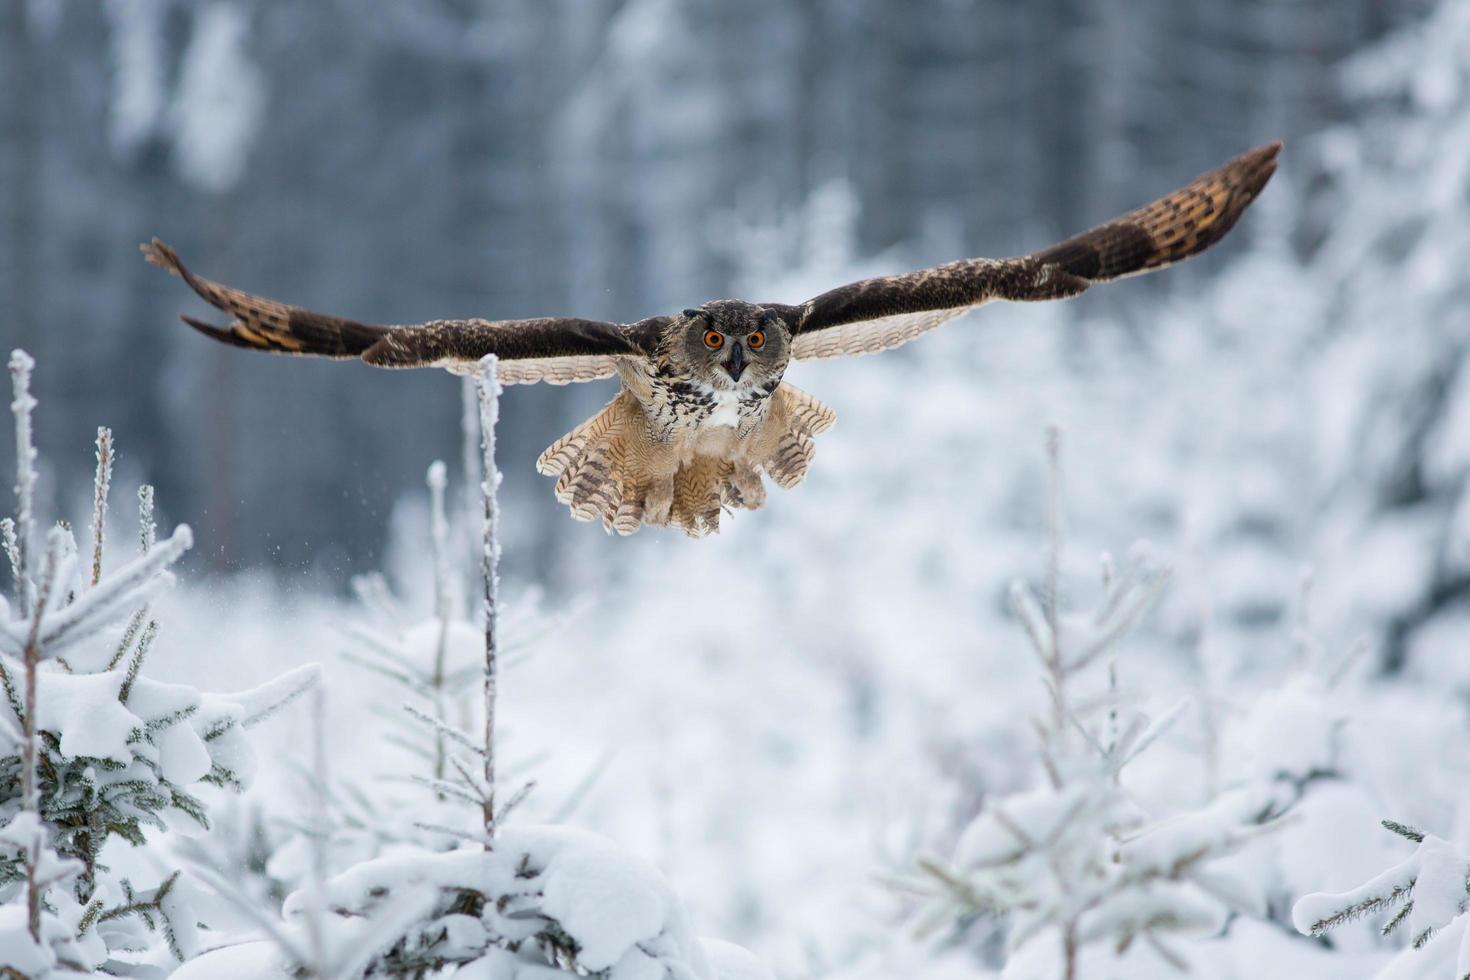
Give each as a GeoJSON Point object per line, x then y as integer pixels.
{"type": "Point", "coordinates": [784, 719]}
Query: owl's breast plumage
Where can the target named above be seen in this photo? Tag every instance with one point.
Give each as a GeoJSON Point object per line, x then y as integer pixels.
{"type": "Point", "coordinates": [683, 409]}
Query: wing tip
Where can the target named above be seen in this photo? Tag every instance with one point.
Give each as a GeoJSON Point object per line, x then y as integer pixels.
{"type": "Point", "coordinates": [158, 253]}
{"type": "Point", "coordinates": [1257, 167]}
{"type": "Point", "coordinates": [222, 334]}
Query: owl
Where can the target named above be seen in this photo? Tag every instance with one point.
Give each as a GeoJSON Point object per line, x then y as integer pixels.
{"type": "Point", "coordinates": [702, 415]}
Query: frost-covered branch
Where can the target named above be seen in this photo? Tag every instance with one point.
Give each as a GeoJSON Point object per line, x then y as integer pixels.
{"type": "Point", "coordinates": [100, 486]}
{"type": "Point", "coordinates": [1433, 885]}
{"type": "Point", "coordinates": [489, 392]}
{"type": "Point", "coordinates": [22, 408]}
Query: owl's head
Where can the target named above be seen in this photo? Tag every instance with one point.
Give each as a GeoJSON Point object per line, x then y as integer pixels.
{"type": "Point", "coordinates": [733, 345]}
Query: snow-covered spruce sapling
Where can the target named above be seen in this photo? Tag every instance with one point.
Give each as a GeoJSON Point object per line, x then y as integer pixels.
{"type": "Point", "coordinates": [509, 902]}
{"type": "Point", "coordinates": [1077, 861]}
{"type": "Point", "coordinates": [93, 751]}
{"type": "Point", "coordinates": [1426, 892]}
{"type": "Point", "coordinates": [434, 663]}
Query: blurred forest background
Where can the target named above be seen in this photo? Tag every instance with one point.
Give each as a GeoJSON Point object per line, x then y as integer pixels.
{"type": "Point", "coordinates": [402, 161]}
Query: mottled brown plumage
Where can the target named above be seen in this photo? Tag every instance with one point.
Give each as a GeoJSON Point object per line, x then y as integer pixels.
{"type": "Point", "coordinates": [703, 412]}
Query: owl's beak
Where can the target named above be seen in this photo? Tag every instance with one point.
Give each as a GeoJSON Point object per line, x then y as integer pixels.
{"type": "Point", "coordinates": [736, 363]}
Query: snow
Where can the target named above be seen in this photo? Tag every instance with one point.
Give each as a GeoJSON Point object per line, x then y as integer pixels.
{"type": "Point", "coordinates": [617, 912]}
{"type": "Point", "coordinates": [261, 702]}
{"type": "Point", "coordinates": [1294, 729]}
{"type": "Point", "coordinates": [612, 907]}
{"type": "Point", "coordinates": [731, 962]}
{"type": "Point", "coordinates": [86, 710]}
{"type": "Point", "coordinates": [1439, 889]}
{"type": "Point", "coordinates": [243, 961]}
{"type": "Point", "coordinates": [1311, 910]}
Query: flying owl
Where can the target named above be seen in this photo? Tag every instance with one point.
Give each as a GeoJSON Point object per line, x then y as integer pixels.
{"type": "Point", "coordinates": [703, 413]}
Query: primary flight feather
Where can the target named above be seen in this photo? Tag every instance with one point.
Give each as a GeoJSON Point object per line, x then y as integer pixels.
{"type": "Point", "coordinates": [703, 412]}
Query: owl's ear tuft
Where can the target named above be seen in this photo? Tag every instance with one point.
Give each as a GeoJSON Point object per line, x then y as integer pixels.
{"type": "Point", "coordinates": [693, 313]}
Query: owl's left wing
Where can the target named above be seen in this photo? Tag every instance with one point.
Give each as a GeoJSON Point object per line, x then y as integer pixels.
{"type": "Point", "coordinates": [878, 314]}
{"type": "Point", "coordinates": [556, 350]}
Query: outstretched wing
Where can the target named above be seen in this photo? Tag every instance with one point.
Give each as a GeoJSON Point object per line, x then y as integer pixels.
{"type": "Point", "coordinates": [557, 350]}
{"type": "Point", "coordinates": [877, 314]}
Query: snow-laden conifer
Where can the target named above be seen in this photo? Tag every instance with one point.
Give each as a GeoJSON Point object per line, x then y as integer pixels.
{"type": "Point", "coordinates": [1078, 861]}
{"type": "Point", "coordinates": [1426, 893]}
{"type": "Point", "coordinates": [93, 750]}
{"type": "Point", "coordinates": [461, 892]}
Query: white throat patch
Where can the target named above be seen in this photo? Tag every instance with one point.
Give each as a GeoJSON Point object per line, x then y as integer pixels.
{"type": "Point", "coordinates": [726, 409]}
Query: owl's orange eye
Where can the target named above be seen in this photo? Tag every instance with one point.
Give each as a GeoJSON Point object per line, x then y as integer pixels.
{"type": "Point", "coordinates": [713, 339]}
{"type": "Point", "coordinates": [756, 340]}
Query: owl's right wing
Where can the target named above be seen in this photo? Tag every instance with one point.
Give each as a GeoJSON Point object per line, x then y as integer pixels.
{"type": "Point", "coordinates": [556, 350]}
{"type": "Point", "coordinates": [878, 314]}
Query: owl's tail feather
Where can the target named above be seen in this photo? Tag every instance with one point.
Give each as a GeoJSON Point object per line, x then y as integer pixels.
{"type": "Point", "coordinates": [264, 324]}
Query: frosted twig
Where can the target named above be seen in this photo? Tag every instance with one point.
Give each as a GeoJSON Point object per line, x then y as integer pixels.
{"type": "Point", "coordinates": [30, 778]}
{"type": "Point", "coordinates": [1033, 620]}
{"type": "Point", "coordinates": [1303, 637]}
{"type": "Point", "coordinates": [100, 486]}
{"type": "Point", "coordinates": [372, 591]}
{"type": "Point", "coordinates": [136, 663]}
{"type": "Point", "coordinates": [1132, 746]}
{"type": "Point", "coordinates": [1166, 953]}
{"type": "Point", "coordinates": [129, 634]}
{"type": "Point", "coordinates": [225, 887]}
{"type": "Point", "coordinates": [24, 404]}
{"type": "Point", "coordinates": [1403, 830]}
{"type": "Point", "coordinates": [112, 597]}
{"type": "Point", "coordinates": [147, 529]}
{"type": "Point", "coordinates": [448, 831]}
{"type": "Point", "coordinates": [1397, 919]}
{"type": "Point", "coordinates": [1351, 659]}
{"type": "Point", "coordinates": [439, 545]}
{"type": "Point", "coordinates": [446, 788]}
{"type": "Point", "coordinates": [380, 647]}
{"type": "Point", "coordinates": [470, 779]}
{"type": "Point", "coordinates": [264, 700]}
{"type": "Point", "coordinates": [470, 463]}
{"type": "Point", "coordinates": [147, 532]}
{"type": "Point", "coordinates": [489, 396]}
{"type": "Point", "coordinates": [443, 729]}
{"type": "Point", "coordinates": [516, 799]}
{"type": "Point", "coordinates": [398, 674]}
{"type": "Point", "coordinates": [12, 552]}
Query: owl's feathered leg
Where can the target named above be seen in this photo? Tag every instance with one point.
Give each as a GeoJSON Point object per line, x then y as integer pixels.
{"type": "Point", "coordinates": [783, 446]}
{"type": "Point", "coordinates": [658, 502]}
{"type": "Point", "coordinates": [745, 488]}
{"type": "Point", "coordinates": [609, 468]}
